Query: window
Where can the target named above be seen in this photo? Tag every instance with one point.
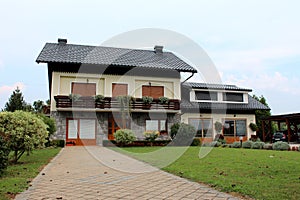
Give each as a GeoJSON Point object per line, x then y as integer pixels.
{"type": "Point", "coordinates": [235, 97]}
{"type": "Point", "coordinates": [203, 127]}
{"type": "Point", "coordinates": [119, 89]}
{"type": "Point", "coordinates": [153, 91]}
{"type": "Point", "coordinates": [156, 125]}
{"type": "Point", "coordinates": [84, 89]}
{"type": "Point", "coordinates": [206, 95]}
{"type": "Point", "coordinates": [234, 128]}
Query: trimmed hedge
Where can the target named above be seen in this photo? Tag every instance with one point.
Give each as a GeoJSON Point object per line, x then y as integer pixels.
{"type": "Point", "coordinates": [235, 145]}
{"type": "Point", "coordinates": [247, 145]}
{"type": "Point", "coordinates": [258, 145]}
{"type": "Point", "coordinates": [282, 146]}
{"type": "Point", "coordinates": [140, 143]}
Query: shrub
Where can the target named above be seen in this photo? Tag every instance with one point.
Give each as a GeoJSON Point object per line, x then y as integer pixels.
{"type": "Point", "coordinates": [258, 145]}
{"type": "Point", "coordinates": [57, 143]}
{"type": "Point", "coordinates": [185, 135]}
{"type": "Point", "coordinates": [219, 137]}
{"type": "Point", "coordinates": [299, 148]}
{"type": "Point", "coordinates": [283, 146]}
{"type": "Point", "coordinates": [196, 142]}
{"type": "Point", "coordinates": [24, 132]}
{"type": "Point", "coordinates": [4, 151]}
{"type": "Point", "coordinates": [124, 136]}
{"type": "Point", "coordinates": [174, 129]}
{"type": "Point", "coordinates": [163, 100]}
{"type": "Point", "coordinates": [247, 144]}
{"type": "Point", "coordinates": [235, 145]}
{"type": "Point", "coordinates": [51, 126]}
{"type": "Point", "coordinates": [151, 135]}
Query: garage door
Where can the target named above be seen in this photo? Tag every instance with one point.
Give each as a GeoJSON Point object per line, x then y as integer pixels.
{"type": "Point", "coordinates": [81, 131]}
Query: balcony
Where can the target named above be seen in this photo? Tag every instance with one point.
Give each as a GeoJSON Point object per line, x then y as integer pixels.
{"type": "Point", "coordinates": [110, 103]}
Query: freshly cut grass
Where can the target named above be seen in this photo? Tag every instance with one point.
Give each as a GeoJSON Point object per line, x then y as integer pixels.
{"type": "Point", "coordinates": [259, 174]}
{"type": "Point", "coordinates": [18, 177]}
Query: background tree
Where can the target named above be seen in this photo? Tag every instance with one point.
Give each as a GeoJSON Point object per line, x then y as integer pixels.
{"type": "Point", "coordinates": [24, 132]}
{"type": "Point", "coordinates": [261, 114]}
{"type": "Point", "coordinates": [38, 106]}
{"type": "Point", "coordinates": [15, 102]}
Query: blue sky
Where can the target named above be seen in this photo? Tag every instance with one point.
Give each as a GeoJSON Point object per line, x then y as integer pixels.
{"type": "Point", "coordinates": [253, 44]}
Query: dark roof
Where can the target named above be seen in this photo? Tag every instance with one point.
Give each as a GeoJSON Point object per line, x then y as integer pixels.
{"type": "Point", "coordinates": [283, 117]}
{"type": "Point", "coordinates": [252, 104]}
{"type": "Point", "coordinates": [100, 55]}
{"type": "Point", "coordinates": [216, 86]}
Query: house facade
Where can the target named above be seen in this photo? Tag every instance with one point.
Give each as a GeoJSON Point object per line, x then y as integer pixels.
{"type": "Point", "coordinates": [88, 86]}
{"type": "Point", "coordinates": [202, 105]}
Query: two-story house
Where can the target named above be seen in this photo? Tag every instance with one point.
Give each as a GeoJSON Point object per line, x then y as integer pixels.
{"type": "Point", "coordinates": [111, 72]}
{"type": "Point", "coordinates": [79, 74]}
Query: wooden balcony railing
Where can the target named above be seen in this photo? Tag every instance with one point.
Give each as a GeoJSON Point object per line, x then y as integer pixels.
{"type": "Point", "coordinates": [110, 103]}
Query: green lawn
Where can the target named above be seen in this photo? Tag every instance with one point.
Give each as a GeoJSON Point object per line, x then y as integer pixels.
{"type": "Point", "coordinates": [17, 177]}
{"type": "Point", "coordinates": [259, 174]}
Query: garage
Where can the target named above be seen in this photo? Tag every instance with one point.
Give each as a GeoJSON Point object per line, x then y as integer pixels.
{"type": "Point", "coordinates": [81, 132]}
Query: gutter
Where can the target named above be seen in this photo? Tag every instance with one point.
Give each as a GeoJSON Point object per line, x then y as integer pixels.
{"type": "Point", "coordinates": [188, 78]}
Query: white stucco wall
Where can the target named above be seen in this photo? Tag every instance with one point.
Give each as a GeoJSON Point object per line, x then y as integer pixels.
{"type": "Point", "coordinates": [62, 81]}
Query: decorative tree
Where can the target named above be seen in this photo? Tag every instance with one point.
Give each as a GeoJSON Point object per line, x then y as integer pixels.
{"type": "Point", "coordinates": [24, 132]}
{"type": "Point", "coordinates": [16, 102]}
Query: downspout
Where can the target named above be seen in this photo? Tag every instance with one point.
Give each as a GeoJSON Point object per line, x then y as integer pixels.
{"type": "Point", "coordinates": [188, 78]}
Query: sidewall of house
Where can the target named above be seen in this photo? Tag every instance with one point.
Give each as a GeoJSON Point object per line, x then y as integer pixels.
{"type": "Point", "coordinates": [250, 118]}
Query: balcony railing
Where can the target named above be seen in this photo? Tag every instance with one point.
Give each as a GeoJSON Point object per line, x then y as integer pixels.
{"type": "Point", "coordinates": [112, 103]}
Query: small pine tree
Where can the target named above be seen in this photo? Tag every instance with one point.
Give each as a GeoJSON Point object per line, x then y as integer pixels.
{"type": "Point", "coordinates": [16, 102]}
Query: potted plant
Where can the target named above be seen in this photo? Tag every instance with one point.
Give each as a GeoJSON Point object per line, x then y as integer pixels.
{"type": "Point", "coordinates": [99, 100]}
{"type": "Point", "coordinates": [253, 127]}
{"type": "Point", "coordinates": [163, 100]}
{"type": "Point", "coordinates": [147, 100]}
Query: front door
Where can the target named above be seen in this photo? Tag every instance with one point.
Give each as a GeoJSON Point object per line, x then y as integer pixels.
{"type": "Point", "coordinates": [112, 128]}
{"type": "Point", "coordinates": [81, 132]}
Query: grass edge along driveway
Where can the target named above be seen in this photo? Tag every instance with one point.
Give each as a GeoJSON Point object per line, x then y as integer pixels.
{"type": "Point", "coordinates": [258, 174]}
{"type": "Point", "coordinates": [18, 177]}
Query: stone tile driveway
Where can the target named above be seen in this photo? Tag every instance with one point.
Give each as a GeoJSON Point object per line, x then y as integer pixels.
{"type": "Point", "coordinates": [90, 173]}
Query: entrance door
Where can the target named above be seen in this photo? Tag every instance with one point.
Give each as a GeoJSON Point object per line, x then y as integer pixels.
{"type": "Point", "coordinates": [112, 128]}
{"type": "Point", "coordinates": [81, 132]}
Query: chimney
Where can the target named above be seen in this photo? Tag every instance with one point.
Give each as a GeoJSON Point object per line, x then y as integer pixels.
{"type": "Point", "coordinates": [62, 41]}
{"type": "Point", "coordinates": [158, 49]}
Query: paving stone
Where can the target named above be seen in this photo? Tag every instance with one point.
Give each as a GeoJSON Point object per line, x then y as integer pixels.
{"type": "Point", "coordinates": [89, 173]}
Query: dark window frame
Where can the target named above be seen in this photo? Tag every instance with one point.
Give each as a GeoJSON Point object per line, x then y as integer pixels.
{"type": "Point", "coordinates": [206, 95]}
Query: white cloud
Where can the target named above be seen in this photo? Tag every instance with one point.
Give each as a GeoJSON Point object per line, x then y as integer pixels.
{"type": "Point", "coordinates": [8, 89]}
{"type": "Point", "coordinates": [276, 82]}
{"type": "Point", "coordinates": [251, 60]}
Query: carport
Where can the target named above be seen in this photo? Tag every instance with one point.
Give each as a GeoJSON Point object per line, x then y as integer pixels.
{"type": "Point", "coordinates": [291, 121]}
